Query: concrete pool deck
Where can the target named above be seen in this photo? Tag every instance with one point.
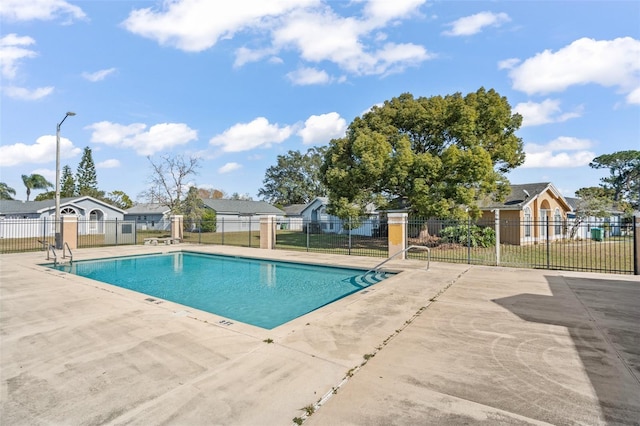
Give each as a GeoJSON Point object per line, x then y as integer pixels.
{"type": "Point", "coordinates": [455, 344]}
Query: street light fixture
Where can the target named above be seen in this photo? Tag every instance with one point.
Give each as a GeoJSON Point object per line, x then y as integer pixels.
{"type": "Point", "coordinates": [57, 216]}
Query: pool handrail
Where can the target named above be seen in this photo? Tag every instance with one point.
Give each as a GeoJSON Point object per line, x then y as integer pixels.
{"type": "Point", "coordinates": [52, 249]}
{"type": "Point", "coordinates": [377, 267]}
{"type": "Point", "coordinates": [70, 254]}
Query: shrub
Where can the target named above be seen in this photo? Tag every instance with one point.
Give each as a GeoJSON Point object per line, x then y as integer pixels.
{"type": "Point", "coordinates": [209, 222]}
{"type": "Point", "coordinates": [475, 236]}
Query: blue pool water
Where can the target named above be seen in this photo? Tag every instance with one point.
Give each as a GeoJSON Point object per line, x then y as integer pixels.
{"type": "Point", "coordinates": [258, 292]}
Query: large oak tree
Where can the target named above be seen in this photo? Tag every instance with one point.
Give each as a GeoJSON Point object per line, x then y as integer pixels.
{"type": "Point", "coordinates": [295, 179]}
{"type": "Point", "coordinates": [438, 155]}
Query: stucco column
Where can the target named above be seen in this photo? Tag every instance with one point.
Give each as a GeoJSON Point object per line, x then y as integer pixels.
{"type": "Point", "coordinates": [176, 227]}
{"type": "Point", "coordinates": [268, 232]}
{"type": "Point", "coordinates": [69, 231]}
{"type": "Point", "coordinates": [397, 223]}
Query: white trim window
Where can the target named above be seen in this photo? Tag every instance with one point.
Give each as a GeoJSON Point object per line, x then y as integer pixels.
{"type": "Point", "coordinates": [557, 222]}
{"type": "Point", "coordinates": [527, 222]}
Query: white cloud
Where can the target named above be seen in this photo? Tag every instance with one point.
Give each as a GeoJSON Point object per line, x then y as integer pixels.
{"type": "Point", "coordinates": [12, 52]}
{"type": "Point", "coordinates": [43, 151]}
{"type": "Point", "coordinates": [45, 10]}
{"type": "Point", "coordinates": [26, 94]}
{"type": "Point", "coordinates": [473, 24]}
{"type": "Point", "coordinates": [306, 32]}
{"type": "Point", "coordinates": [197, 25]}
{"type": "Point", "coordinates": [247, 136]}
{"type": "Point", "coordinates": [508, 64]}
{"type": "Point", "coordinates": [229, 167]}
{"type": "Point", "coordinates": [563, 151]}
{"type": "Point", "coordinates": [609, 63]}
{"type": "Point", "coordinates": [98, 75]}
{"type": "Point", "coordinates": [108, 164]}
{"type": "Point", "coordinates": [158, 137]}
{"type": "Point", "coordinates": [300, 25]}
{"type": "Point", "coordinates": [308, 76]}
{"type": "Point", "coordinates": [547, 111]}
{"type": "Point", "coordinates": [634, 96]}
{"type": "Point", "coordinates": [245, 55]}
{"type": "Point", "coordinates": [382, 11]}
{"type": "Point", "coordinates": [322, 128]}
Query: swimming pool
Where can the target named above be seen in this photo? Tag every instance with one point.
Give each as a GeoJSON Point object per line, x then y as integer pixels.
{"type": "Point", "coordinates": [263, 293]}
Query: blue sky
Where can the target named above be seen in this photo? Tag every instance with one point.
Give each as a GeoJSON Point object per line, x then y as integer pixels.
{"type": "Point", "coordinates": [239, 83]}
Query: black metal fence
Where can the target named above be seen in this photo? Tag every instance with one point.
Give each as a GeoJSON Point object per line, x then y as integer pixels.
{"type": "Point", "coordinates": [359, 237]}
{"type": "Point", "coordinates": [578, 245]}
{"type": "Point", "coordinates": [243, 232]}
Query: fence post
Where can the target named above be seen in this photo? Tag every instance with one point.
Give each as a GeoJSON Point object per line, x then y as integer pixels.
{"type": "Point", "coordinates": [268, 232]}
{"type": "Point", "coordinates": [636, 245]}
{"type": "Point", "coordinates": [177, 227]}
{"type": "Point", "coordinates": [546, 224]}
{"type": "Point", "coordinates": [69, 230]}
{"type": "Point", "coordinates": [397, 225]}
{"type": "Point", "coordinates": [308, 226]}
{"type": "Point", "coordinates": [223, 231]}
{"type": "Point", "coordinates": [350, 226]}
{"type": "Point", "coordinates": [497, 229]}
{"type": "Point", "coordinates": [469, 240]}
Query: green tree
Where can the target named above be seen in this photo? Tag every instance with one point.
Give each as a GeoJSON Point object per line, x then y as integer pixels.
{"type": "Point", "coordinates": [594, 201]}
{"type": "Point", "coordinates": [237, 196]}
{"type": "Point", "coordinates": [6, 192]}
{"type": "Point", "coordinates": [86, 178]}
{"type": "Point", "coordinates": [192, 208]}
{"type": "Point", "coordinates": [208, 222]}
{"type": "Point", "coordinates": [169, 180]}
{"type": "Point", "coordinates": [35, 181]}
{"type": "Point", "coordinates": [67, 183]}
{"type": "Point", "coordinates": [438, 155]}
{"type": "Point", "coordinates": [119, 199]}
{"type": "Point", "coordinates": [624, 175]}
{"type": "Point", "coordinates": [49, 195]}
{"type": "Point", "coordinates": [295, 179]}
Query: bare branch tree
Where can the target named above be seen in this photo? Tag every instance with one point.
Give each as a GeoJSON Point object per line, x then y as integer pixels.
{"type": "Point", "coordinates": [169, 180]}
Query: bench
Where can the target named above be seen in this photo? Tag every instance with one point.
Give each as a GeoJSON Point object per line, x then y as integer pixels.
{"type": "Point", "coordinates": [154, 241]}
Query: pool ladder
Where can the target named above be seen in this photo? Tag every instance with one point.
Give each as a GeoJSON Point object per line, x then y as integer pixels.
{"type": "Point", "coordinates": [376, 268]}
{"type": "Point", "coordinates": [51, 250]}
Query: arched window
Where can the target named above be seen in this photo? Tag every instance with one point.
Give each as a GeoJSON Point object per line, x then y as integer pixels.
{"type": "Point", "coordinates": [527, 222]}
{"type": "Point", "coordinates": [68, 210]}
{"type": "Point", "coordinates": [557, 222]}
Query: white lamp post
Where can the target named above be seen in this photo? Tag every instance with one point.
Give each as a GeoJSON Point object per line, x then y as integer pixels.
{"type": "Point", "coordinates": [57, 216]}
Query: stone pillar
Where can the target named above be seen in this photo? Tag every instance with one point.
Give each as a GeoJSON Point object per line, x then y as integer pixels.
{"type": "Point", "coordinates": [397, 223]}
{"type": "Point", "coordinates": [69, 231]}
{"type": "Point", "coordinates": [268, 232]}
{"type": "Point", "coordinates": [176, 227]}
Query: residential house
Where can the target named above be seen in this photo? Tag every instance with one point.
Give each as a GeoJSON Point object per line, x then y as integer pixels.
{"type": "Point", "coordinates": [532, 213]}
{"type": "Point", "coordinates": [152, 216]}
{"type": "Point", "coordinates": [318, 220]}
{"type": "Point", "coordinates": [240, 215]}
{"type": "Point", "coordinates": [581, 225]}
{"type": "Point", "coordinates": [37, 218]}
{"type": "Point", "coordinates": [293, 219]}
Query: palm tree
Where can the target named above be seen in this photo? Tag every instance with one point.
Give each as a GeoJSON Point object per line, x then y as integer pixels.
{"type": "Point", "coordinates": [6, 192]}
{"type": "Point", "coordinates": [35, 181]}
